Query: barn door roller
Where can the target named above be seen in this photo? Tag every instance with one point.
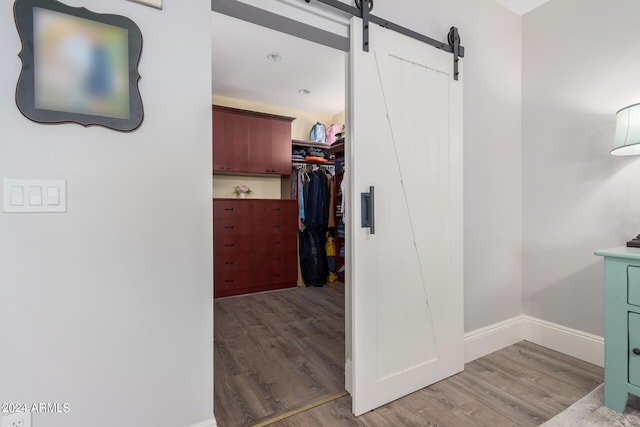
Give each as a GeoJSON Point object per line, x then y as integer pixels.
{"type": "Point", "coordinates": [363, 10]}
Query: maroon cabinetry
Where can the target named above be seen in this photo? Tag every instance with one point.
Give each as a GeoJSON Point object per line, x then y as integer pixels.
{"type": "Point", "coordinates": [254, 245]}
{"type": "Point", "coordinates": [251, 142]}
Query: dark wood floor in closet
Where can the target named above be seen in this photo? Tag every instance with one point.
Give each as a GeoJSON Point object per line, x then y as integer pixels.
{"type": "Point", "coordinates": [278, 351]}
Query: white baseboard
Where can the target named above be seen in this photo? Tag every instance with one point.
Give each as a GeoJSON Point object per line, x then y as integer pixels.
{"type": "Point", "coordinates": [206, 423]}
{"type": "Point", "coordinates": [581, 345]}
{"type": "Point", "coordinates": [348, 376]}
{"type": "Point", "coordinates": [492, 338]}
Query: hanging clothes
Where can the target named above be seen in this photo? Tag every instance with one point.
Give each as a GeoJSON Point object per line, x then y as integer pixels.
{"type": "Point", "coordinates": [313, 259]}
{"type": "Point", "coordinates": [331, 182]}
{"type": "Point", "coordinates": [317, 200]}
{"type": "Point", "coordinates": [315, 191]}
{"type": "Point", "coordinates": [330, 249]}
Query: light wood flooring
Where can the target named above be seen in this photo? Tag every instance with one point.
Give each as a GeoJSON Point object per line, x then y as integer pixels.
{"type": "Point", "coordinates": [279, 351]}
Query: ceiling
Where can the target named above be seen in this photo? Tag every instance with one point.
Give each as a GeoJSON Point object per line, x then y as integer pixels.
{"type": "Point", "coordinates": [241, 69]}
{"type": "Point", "coordinates": [521, 6]}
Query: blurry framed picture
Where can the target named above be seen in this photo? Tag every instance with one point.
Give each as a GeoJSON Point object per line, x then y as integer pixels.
{"type": "Point", "coordinates": [78, 66]}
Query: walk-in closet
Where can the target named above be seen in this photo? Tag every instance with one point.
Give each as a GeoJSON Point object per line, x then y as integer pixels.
{"type": "Point", "coordinates": [278, 143]}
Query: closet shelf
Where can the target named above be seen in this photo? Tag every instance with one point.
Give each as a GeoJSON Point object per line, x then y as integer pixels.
{"type": "Point", "coordinates": [328, 149]}
{"type": "Point", "coordinates": [311, 162]}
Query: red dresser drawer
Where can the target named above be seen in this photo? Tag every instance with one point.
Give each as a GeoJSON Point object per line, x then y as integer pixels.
{"type": "Point", "coordinates": [271, 228]}
{"type": "Point", "coordinates": [272, 243]}
{"type": "Point", "coordinates": [232, 226]}
{"type": "Point", "coordinates": [279, 210]}
{"type": "Point", "coordinates": [232, 244]}
{"type": "Point", "coordinates": [281, 268]}
{"type": "Point", "coordinates": [231, 281]}
{"type": "Point", "coordinates": [232, 262]}
{"type": "Point", "coordinates": [225, 208]}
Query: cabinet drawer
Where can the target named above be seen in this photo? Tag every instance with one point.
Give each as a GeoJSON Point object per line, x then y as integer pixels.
{"type": "Point", "coordinates": [281, 269]}
{"type": "Point", "coordinates": [274, 228]}
{"type": "Point", "coordinates": [232, 208]}
{"type": "Point", "coordinates": [231, 262]}
{"type": "Point", "coordinates": [232, 244]}
{"type": "Point", "coordinates": [232, 226]}
{"type": "Point", "coordinates": [282, 210]}
{"type": "Point", "coordinates": [633, 285]}
{"type": "Point", "coordinates": [274, 243]}
{"type": "Point", "coordinates": [634, 343]}
{"type": "Point", "coordinates": [225, 281]}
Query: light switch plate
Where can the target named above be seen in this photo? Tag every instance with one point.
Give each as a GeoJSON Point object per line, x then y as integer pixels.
{"type": "Point", "coordinates": [34, 195]}
{"type": "Point", "coordinates": [17, 419]}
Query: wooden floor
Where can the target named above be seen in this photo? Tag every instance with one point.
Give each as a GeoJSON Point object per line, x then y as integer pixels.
{"type": "Point", "coordinates": [278, 351]}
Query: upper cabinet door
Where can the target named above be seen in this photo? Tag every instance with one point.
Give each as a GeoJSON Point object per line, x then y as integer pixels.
{"type": "Point", "coordinates": [260, 145]}
{"type": "Point", "coordinates": [221, 153]}
{"type": "Point", "coordinates": [237, 138]}
{"type": "Point", "coordinates": [281, 147]}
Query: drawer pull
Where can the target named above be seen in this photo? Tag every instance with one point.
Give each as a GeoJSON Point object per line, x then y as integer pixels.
{"type": "Point", "coordinates": [276, 243]}
{"type": "Point", "coordinates": [228, 209]}
{"type": "Point", "coordinates": [636, 351]}
{"type": "Point", "coordinates": [229, 263]}
{"type": "Point", "coordinates": [276, 209]}
{"type": "Point", "coordinates": [276, 226]}
{"type": "Point", "coordinates": [228, 226]}
{"type": "Point", "coordinates": [228, 245]}
{"type": "Point", "coordinates": [229, 281]}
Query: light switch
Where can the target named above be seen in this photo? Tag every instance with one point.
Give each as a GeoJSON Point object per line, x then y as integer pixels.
{"type": "Point", "coordinates": [53, 196]}
{"type": "Point", "coordinates": [35, 196]}
{"type": "Point", "coordinates": [16, 196]}
{"type": "Point", "coordinates": [31, 195]}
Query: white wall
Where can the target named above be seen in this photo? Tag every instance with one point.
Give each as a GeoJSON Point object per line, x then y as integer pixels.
{"type": "Point", "coordinates": [108, 307]}
{"type": "Point", "coordinates": [580, 66]}
{"type": "Point", "coordinates": [492, 144]}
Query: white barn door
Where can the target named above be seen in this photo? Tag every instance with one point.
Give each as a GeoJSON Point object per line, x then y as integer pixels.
{"type": "Point", "coordinates": [405, 128]}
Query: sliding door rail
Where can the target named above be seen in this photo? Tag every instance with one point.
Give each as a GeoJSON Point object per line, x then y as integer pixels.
{"type": "Point", "coordinates": [453, 37]}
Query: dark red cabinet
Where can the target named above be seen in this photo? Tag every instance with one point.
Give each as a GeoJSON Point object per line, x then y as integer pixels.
{"type": "Point", "coordinates": [251, 142]}
{"type": "Point", "coordinates": [254, 245]}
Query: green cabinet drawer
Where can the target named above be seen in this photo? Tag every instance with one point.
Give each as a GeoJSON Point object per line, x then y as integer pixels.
{"type": "Point", "coordinates": [634, 344]}
{"type": "Point", "coordinates": [633, 285]}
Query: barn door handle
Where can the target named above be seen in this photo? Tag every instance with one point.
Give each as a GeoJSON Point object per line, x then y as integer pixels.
{"type": "Point", "coordinates": [367, 210]}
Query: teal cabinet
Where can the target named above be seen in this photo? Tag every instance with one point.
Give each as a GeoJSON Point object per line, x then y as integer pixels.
{"type": "Point", "coordinates": [622, 325]}
{"type": "Point", "coordinates": [634, 346]}
{"type": "Point", "coordinates": [633, 285]}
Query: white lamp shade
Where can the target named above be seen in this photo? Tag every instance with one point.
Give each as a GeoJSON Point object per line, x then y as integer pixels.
{"type": "Point", "coordinates": [627, 140]}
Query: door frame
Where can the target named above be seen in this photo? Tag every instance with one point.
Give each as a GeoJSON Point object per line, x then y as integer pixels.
{"type": "Point", "coordinates": [328, 27]}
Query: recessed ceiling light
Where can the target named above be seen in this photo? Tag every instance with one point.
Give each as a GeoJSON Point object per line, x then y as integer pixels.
{"type": "Point", "coordinates": [304, 91]}
{"type": "Point", "coordinates": [275, 57]}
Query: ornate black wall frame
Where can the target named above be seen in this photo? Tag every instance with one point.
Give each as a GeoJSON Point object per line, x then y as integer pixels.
{"type": "Point", "coordinates": [364, 11]}
{"type": "Point", "coordinates": [100, 55]}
